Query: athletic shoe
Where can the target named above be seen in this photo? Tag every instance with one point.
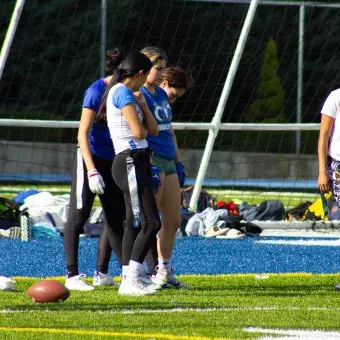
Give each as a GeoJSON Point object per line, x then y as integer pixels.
{"type": "Point", "coordinates": [164, 279]}
{"type": "Point", "coordinates": [100, 279]}
{"type": "Point", "coordinates": [76, 283]}
{"type": "Point", "coordinates": [145, 278]}
{"type": "Point", "coordinates": [337, 287]}
{"type": "Point", "coordinates": [134, 286]}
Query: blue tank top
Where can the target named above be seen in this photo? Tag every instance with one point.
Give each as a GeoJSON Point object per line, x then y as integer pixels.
{"type": "Point", "coordinates": [99, 137]}
{"type": "Point", "coordinates": [158, 103]}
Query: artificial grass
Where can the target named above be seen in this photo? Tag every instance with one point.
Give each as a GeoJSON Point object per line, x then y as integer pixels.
{"type": "Point", "coordinates": [221, 306]}
{"type": "Point", "coordinates": [288, 198]}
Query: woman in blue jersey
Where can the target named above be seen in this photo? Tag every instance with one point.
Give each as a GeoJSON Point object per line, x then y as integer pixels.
{"type": "Point", "coordinates": [91, 175]}
{"type": "Point", "coordinates": [167, 159]}
{"type": "Point", "coordinates": [129, 121]}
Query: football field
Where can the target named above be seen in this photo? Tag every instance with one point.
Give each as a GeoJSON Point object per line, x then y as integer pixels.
{"type": "Point", "coordinates": [252, 288]}
{"type": "Point", "coordinates": [301, 306]}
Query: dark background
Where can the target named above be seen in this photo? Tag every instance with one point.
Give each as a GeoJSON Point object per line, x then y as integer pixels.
{"type": "Point", "coordinates": [55, 57]}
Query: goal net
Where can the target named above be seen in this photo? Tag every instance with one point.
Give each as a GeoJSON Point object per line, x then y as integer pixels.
{"type": "Point", "coordinates": [287, 67]}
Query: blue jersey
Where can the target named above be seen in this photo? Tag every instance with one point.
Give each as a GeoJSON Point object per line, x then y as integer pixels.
{"type": "Point", "coordinates": [99, 138]}
{"type": "Point", "coordinates": [158, 103]}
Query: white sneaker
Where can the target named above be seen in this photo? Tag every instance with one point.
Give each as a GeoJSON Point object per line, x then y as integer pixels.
{"type": "Point", "coordinates": [76, 283]}
{"type": "Point", "coordinates": [134, 286]}
{"type": "Point", "coordinates": [100, 279]}
{"type": "Point", "coordinates": [164, 279]}
{"type": "Point", "coordinates": [145, 278]}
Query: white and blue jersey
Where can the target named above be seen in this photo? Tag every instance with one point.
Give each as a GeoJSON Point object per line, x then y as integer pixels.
{"type": "Point", "coordinates": [158, 103]}
{"type": "Point", "coordinates": [99, 137]}
{"type": "Point", "coordinates": [121, 133]}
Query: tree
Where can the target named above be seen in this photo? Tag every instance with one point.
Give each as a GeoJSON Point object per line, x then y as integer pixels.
{"type": "Point", "coordinates": [268, 105]}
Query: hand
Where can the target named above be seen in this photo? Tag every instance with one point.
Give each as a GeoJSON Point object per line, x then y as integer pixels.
{"type": "Point", "coordinates": [140, 98]}
{"type": "Point", "coordinates": [156, 181]}
{"type": "Point", "coordinates": [323, 181]}
{"type": "Point", "coordinates": [96, 182]}
{"type": "Point", "coordinates": [181, 173]}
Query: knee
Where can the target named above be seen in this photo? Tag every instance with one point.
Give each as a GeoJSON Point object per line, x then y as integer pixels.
{"type": "Point", "coordinates": [173, 222]}
{"type": "Point", "coordinates": [153, 225]}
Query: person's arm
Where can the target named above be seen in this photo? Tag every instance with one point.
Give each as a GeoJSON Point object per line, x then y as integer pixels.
{"type": "Point", "coordinates": [324, 135]}
{"type": "Point", "coordinates": [150, 120]}
{"type": "Point", "coordinates": [179, 165]}
{"type": "Point", "coordinates": [96, 182]}
{"type": "Point", "coordinates": [129, 111]}
{"type": "Point", "coordinates": [177, 155]}
{"type": "Point", "coordinates": [85, 125]}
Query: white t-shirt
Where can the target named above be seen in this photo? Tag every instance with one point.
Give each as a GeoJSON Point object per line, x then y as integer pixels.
{"type": "Point", "coordinates": [331, 108]}
{"type": "Point", "coordinates": [120, 131]}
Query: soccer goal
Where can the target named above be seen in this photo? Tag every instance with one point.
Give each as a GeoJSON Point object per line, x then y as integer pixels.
{"type": "Point", "coordinates": [248, 127]}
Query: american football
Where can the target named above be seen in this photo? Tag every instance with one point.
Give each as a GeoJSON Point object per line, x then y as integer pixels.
{"type": "Point", "coordinates": [48, 291]}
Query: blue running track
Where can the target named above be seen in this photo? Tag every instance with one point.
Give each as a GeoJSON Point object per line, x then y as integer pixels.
{"type": "Point", "coordinates": [44, 257]}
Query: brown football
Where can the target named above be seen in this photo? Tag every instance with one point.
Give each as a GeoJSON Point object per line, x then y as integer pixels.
{"type": "Point", "coordinates": [48, 291]}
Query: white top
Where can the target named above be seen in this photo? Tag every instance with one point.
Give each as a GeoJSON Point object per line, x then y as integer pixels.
{"type": "Point", "coordinates": [120, 131]}
{"type": "Point", "coordinates": [331, 108]}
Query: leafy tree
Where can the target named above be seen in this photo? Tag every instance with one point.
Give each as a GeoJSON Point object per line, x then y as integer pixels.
{"type": "Point", "coordinates": [267, 107]}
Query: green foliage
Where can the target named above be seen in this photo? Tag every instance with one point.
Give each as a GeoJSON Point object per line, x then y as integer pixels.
{"type": "Point", "coordinates": [56, 49]}
{"type": "Point", "coordinates": [268, 105]}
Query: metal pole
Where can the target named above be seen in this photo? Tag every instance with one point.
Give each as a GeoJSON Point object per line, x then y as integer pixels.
{"type": "Point", "coordinates": [10, 34]}
{"type": "Point", "coordinates": [103, 38]}
{"type": "Point", "coordinates": [300, 75]}
{"type": "Point", "coordinates": [222, 103]}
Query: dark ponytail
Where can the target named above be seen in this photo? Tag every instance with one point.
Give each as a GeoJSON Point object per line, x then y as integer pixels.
{"type": "Point", "coordinates": [113, 58]}
{"type": "Point", "coordinates": [129, 66]}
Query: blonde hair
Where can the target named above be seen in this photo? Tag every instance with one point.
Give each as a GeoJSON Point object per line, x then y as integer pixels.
{"type": "Point", "coordinates": [154, 54]}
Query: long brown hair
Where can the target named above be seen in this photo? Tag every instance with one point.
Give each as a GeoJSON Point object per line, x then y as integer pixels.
{"type": "Point", "coordinates": [177, 78]}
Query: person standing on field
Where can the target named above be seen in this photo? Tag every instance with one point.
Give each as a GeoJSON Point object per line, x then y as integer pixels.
{"type": "Point", "coordinates": [167, 159]}
{"type": "Point", "coordinates": [91, 176]}
{"type": "Point", "coordinates": [329, 148]}
{"type": "Point", "coordinates": [129, 121]}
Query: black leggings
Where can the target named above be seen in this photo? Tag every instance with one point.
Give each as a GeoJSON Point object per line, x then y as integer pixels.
{"type": "Point", "coordinates": [137, 236]}
{"type": "Point", "coordinates": [80, 209]}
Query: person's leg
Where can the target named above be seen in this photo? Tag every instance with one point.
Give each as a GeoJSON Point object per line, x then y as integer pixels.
{"type": "Point", "coordinates": [81, 200]}
{"type": "Point", "coordinates": [171, 220]}
{"type": "Point", "coordinates": [114, 209]}
{"type": "Point", "coordinates": [133, 176]}
{"type": "Point", "coordinates": [171, 216]}
{"type": "Point", "coordinates": [104, 251]}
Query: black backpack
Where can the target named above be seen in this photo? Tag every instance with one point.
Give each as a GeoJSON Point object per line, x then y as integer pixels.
{"type": "Point", "coordinates": [9, 214]}
{"type": "Point", "coordinates": [205, 200]}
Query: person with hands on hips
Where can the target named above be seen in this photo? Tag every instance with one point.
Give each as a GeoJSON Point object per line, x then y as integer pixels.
{"type": "Point", "coordinates": [167, 159]}
{"type": "Point", "coordinates": [91, 175]}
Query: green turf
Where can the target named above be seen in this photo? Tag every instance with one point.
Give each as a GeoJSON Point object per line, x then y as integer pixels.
{"type": "Point", "coordinates": [289, 199]}
{"type": "Point", "coordinates": [219, 307]}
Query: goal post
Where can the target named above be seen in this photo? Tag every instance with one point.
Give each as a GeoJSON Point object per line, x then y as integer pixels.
{"type": "Point", "coordinates": [10, 34]}
{"type": "Point", "coordinates": [222, 103]}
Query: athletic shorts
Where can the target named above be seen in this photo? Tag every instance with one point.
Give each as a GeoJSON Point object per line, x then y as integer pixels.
{"type": "Point", "coordinates": [333, 170]}
{"type": "Point", "coordinates": [164, 165]}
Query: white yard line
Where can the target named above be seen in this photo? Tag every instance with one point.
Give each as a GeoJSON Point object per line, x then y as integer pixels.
{"type": "Point", "coordinates": [294, 334]}
{"type": "Point", "coordinates": [324, 243]}
{"type": "Point", "coordinates": [181, 310]}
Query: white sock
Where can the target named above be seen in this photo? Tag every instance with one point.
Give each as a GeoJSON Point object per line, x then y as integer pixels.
{"type": "Point", "coordinates": [124, 270]}
{"type": "Point", "coordinates": [134, 269]}
{"type": "Point", "coordinates": [164, 264]}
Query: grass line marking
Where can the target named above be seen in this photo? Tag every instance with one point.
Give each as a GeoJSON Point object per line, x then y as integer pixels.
{"type": "Point", "coordinates": [181, 310]}
{"type": "Point", "coordinates": [296, 333]}
{"type": "Point", "coordinates": [104, 333]}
